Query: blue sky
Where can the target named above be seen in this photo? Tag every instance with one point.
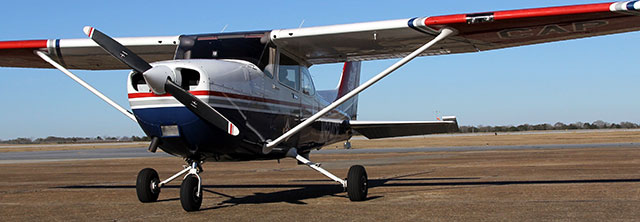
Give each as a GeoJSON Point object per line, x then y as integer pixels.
{"type": "Point", "coordinates": [579, 80]}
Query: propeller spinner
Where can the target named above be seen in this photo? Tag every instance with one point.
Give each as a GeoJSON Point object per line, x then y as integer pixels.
{"type": "Point", "coordinates": [161, 80]}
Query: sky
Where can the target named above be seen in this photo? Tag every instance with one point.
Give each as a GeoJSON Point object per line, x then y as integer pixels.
{"type": "Point", "coordinates": [577, 80]}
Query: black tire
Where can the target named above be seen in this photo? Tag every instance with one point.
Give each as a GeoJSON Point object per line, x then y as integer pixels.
{"type": "Point", "coordinates": [188, 194]}
{"type": "Point", "coordinates": [147, 185]}
{"type": "Point", "coordinates": [357, 183]}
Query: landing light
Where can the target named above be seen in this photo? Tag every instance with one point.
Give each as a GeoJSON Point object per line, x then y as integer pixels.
{"type": "Point", "coordinates": [170, 131]}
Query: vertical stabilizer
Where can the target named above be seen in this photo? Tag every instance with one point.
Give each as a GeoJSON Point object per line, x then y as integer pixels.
{"type": "Point", "coordinates": [349, 80]}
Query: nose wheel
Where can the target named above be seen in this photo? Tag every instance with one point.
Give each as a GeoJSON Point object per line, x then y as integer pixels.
{"type": "Point", "coordinates": [191, 189]}
{"type": "Point", "coordinates": [190, 193]}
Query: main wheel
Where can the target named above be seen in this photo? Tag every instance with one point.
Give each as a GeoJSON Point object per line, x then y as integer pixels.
{"type": "Point", "coordinates": [147, 185]}
{"type": "Point", "coordinates": [357, 183]}
{"type": "Point", "coordinates": [189, 194]}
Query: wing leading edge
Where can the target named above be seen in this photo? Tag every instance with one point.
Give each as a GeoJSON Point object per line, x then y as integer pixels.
{"type": "Point", "coordinates": [476, 32]}
{"type": "Point", "coordinates": [84, 53]}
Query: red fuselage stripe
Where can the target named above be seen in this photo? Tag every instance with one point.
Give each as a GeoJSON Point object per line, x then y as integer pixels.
{"type": "Point", "coordinates": [214, 93]}
{"type": "Point", "coordinates": [27, 44]}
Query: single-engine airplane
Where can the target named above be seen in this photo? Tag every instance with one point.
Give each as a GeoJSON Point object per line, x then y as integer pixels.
{"type": "Point", "coordinates": [249, 96]}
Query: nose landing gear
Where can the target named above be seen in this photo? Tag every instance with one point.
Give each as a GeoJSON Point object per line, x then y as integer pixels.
{"type": "Point", "coordinates": [191, 190]}
{"type": "Point", "coordinates": [148, 186]}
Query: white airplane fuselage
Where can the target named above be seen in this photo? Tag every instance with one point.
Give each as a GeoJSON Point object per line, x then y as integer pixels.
{"type": "Point", "coordinates": [261, 106]}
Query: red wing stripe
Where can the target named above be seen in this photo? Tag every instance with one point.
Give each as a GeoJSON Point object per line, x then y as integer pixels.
{"type": "Point", "coordinates": [523, 13]}
{"type": "Point", "coordinates": [446, 19]}
{"type": "Point", "coordinates": [563, 10]}
{"type": "Point", "coordinates": [26, 44]}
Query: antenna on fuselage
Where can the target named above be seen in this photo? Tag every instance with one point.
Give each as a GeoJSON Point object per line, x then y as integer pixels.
{"type": "Point", "coordinates": [224, 28]}
{"type": "Point", "coordinates": [301, 23]}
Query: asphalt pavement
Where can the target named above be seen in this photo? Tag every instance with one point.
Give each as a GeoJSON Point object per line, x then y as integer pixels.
{"type": "Point", "coordinates": [141, 152]}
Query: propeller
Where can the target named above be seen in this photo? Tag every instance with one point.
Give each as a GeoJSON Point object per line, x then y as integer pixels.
{"type": "Point", "coordinates": [161, 80]}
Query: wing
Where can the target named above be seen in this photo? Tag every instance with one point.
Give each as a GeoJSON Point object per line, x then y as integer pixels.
{"type": "Point", "coordinates": [366, 41]}
{"type": "Point", "coordinates": [476, 32]}
{"type": "Point", "coordinates": [84, 53]}
{"type": "Point", "coordinates": [384, 129]}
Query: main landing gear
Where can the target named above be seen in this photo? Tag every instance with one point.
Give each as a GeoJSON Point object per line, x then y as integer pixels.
{"type": "Point", "coordinates": [148, 183]}
{"type": "Point", "coordinates": [356, 183]}
{"type": "Point", "coordinates": [148, 186]}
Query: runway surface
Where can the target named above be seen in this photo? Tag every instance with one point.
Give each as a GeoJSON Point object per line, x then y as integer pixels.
{"type": "Point", "coordinates": [138, 152]}
{"type": "Point", "coordinates": [590, 182]}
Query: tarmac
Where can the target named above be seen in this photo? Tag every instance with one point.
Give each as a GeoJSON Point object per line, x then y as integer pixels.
{"type": "Point", "coordinates": [506, 183]}
{"type": "Point", "coordinates": [134, 151]}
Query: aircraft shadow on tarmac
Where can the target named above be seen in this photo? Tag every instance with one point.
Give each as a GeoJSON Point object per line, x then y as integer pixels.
{"type": "Point", "coordinates": [304, 191]}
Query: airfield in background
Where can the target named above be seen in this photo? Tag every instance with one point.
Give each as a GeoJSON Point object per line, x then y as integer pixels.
{"type": "Point", "coordinates": [562, 175]}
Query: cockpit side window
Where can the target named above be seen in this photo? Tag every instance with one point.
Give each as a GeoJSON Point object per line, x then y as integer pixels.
{"type": "Point", "coordinates": [289, 72]}
{"type": "Point", "coordinates": [271, 65]}
{"type": "Point", "coordinates": [307, 82]}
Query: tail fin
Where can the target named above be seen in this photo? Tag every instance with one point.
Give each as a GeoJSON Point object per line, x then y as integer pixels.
{"type": "Point", "coordinates": [349, 80]}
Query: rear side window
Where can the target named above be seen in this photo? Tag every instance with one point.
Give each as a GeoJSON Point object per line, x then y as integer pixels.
{"type": "Point", "coordinates": [307, 83]}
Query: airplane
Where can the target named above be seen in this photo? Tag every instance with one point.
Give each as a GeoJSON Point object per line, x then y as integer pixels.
{"type": "Point", "coordinates": [246, 96]}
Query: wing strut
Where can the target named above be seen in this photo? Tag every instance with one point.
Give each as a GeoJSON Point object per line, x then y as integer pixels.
{"type": "Point", "coordinates": [444, 33]}
{"type": "Point", "coordinates": [86, 85]}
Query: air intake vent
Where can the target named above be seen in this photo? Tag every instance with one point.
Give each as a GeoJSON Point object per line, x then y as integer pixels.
{"type": "Point", "coordinates": [138, 83]}
{"type": "Point", "coordinates": [190, 78]}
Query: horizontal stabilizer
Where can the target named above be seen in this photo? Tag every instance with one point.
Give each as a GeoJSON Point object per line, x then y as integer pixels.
{"type": "Point", "coordinates": [384, 129]}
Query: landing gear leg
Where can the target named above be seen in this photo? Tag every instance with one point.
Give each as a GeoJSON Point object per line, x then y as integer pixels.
{"type": "Point", "coordinates": [356, 183]}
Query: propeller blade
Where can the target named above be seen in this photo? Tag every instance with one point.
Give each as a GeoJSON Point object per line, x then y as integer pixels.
{"type": "Point", "coordinates": [200, 108]}
{"type": "Point", "coordinates": [197, 106]}
{"type": "Point", "coordinates": [117, 50]}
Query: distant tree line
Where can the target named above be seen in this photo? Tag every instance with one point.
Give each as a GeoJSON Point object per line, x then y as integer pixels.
{"type": "Point", "coordinates": [63, 140]}
{"type": "Point", "coordinates": [545, 126]}
{"type": "Point", "coordinates": [463, 129]}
